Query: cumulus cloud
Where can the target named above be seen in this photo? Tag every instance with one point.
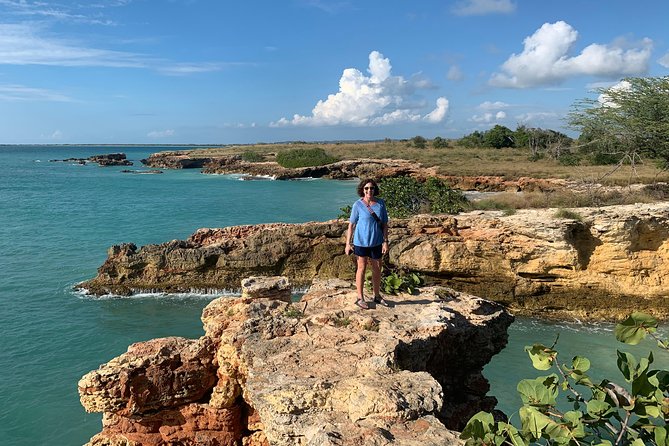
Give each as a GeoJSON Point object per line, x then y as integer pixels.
{"type": "Point", "coordinates": [377, 99]}
{"type": "Point", "coordinates": [605, 100]}
{"type": "Point", "coordinates": [482, 7]}
{"type": "Point", "coordinates": [545, 59]}
{"type": "Point", "coordinates": [664, 60]}
{"type": "Point", "coordinates": [536, 117]}
{"type": "Point", "coordinates": [161, 133]}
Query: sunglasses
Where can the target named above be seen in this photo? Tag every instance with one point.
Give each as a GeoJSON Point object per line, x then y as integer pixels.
{"type": "Point", "coordinates": [368, 188]}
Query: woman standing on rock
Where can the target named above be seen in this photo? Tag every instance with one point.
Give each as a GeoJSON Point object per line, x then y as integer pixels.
{"type": "Point", "coordinates": [367, 237]}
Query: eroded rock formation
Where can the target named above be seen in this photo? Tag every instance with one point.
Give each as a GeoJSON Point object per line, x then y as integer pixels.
{"type": "Point", "coordinates": [613, 260]}
{"type": "Point", "coordinates": [317, 372]}
{"type": "Point", "coordinates": [109, 159]}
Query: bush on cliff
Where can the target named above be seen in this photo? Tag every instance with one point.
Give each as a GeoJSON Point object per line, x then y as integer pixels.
{"type": "Point", "coordinates": [602, 414]}
{"type": "Point", "coordinates": [304, 158]}
{"type": "Point", "coordinates": [406, 196]}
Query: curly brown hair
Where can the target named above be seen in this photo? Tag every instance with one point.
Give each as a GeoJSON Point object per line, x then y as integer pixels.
{"type": "Point", "coordinates": [361, 187]}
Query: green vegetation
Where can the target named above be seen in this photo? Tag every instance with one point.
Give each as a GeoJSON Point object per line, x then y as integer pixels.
{"type": "Point", "coordinates": [405, 196]}
{"type": "Point", "coordinates": [305, 158]}
{"type": "Point", "coordinates": [605, 413]}
{"type": "Point", "coordinates": [341, 322]}
{"type": "Point", "coordinates": [629, 122]}
{"type": "Point", "coordinates": [293, 313]}
{"type": "Point", "coordinates": [252, 157]}
{"type": "Point", "coordinates": [568, 214]}
{"type": "Point", "coordinates": [439, 143]}
{"type": "Point", "coordinates": [344, 213]}
{"type": "Point", "coordinates": [396, 280]}
{"type": "Point", "coordinates": [419, 142]}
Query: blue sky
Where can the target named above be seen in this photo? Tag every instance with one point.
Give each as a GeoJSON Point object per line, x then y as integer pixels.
{"type": "Point", "coordinates": [221, 72]}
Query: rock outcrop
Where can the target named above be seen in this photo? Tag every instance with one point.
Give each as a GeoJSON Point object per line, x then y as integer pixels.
{"type": "Point", "coordinates": [316, 372]}
{"type": "Point", "coordinates": [613, 260]}
{"type": "Point", "coordinates": [346, 169]}
{"type": "Point", "coordinates": [109, 159]}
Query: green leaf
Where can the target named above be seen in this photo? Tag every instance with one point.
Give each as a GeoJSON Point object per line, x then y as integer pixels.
{"type": "Point", "coordinates": [597, 408]}
{"type": "Point", "coordinates": [580, 363]}
{"type": "Point", "coordinates": [540, 391]}
{"type": "Point", "coordinates": [660, 434]}
{"type": "Point", "coordinates": [478, 426]}
{"type": "Point", "coordinates": [627, 365]}
{"type": "Point", "coordinates": [542, 357]}
{"type": "Point", "coordinates": [533, 421]}
{"type": "Point", "coordinates": [635, 328]}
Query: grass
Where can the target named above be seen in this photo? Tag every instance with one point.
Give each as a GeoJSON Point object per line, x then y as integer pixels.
{"type": "Point", "coordinates": [507, 163]}
{"type": "Point", "coordinates": [293, 313]}
{"type": "Point", "coordinates": [568, 214]}
{"type": "Point", "coordinates": [589, 197]}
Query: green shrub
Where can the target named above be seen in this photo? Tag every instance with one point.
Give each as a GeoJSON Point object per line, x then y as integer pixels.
{"type": "Point", "coordinates": [603, 413]}
{"type": "Point", "coordinates": [344, 213]}
{"type": "Point", "coordinates": [395, 281]}
{"type": "Point", "coordinates": [405, 196]}
{"type": "Point", "coordinates": [569, 159]}
{"type": "Point", "coordinates": [304, 158]}
{"type": "Point", "coordinates": [252, 157]}
{"type": "Point", "coordinates": [566, 213]}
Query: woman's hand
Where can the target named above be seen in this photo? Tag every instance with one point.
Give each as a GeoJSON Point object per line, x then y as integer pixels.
{"type": "Point", "coordinates": [384, 248]}
{"type": "Point", "coordinates": [348, 249]}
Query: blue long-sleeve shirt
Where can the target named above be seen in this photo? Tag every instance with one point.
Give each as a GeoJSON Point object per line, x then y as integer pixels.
{"type": "Point", "coordinates": [367, 231]}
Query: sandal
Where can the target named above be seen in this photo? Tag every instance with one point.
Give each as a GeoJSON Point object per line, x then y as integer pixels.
{"type": "Point", "coordinates": [362, 304]}
{"type": "Point", "coordinates": [381, 301]}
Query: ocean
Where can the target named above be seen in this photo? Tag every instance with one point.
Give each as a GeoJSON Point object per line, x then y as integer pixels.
{"type": "Point", "coordinates": [57, 220]}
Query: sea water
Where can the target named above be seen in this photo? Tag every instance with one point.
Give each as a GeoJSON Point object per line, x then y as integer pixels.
{"type": "Point", "coordinates": [57, 220]}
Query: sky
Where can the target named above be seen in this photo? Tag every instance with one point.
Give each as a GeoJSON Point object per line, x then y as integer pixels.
{"type": "Point", "coordinates": [230, 72]}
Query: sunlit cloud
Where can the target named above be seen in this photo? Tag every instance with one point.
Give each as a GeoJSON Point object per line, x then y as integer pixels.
{"type": "Point", "coordinates": [59, 12]}
{"type": "Point", "coordinates": [545, 59]}
{"type": "Point", "coordinates": [377, 99]}
{"type": "Point", "coordinates": [483, 7]}
{"type": "Point", "coordinates": [488, 105]}
{"type": "Point", "coordinates": [455, 73]}
{"type": "Point", "coordinates": [488, 117]}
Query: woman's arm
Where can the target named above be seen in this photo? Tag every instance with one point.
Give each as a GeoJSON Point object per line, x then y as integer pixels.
{"type": "Point", "coordinates": [349, 238]}
{"type": "Point", "coordinates": [384, 247]}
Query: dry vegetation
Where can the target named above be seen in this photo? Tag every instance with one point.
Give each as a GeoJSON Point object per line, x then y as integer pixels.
{"type": "Point", "coordinates": [508, 163]}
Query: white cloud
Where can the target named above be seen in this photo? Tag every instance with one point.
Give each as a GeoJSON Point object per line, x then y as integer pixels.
{"type": "Point", "coordinates": [536, 117]}
{"type": "Point", "coordinates": [438, 114]}
{"type": "Point", "coordinates": [545, 59]}
{"type": "Point", "coordinates": [481, 7]}
{"type": "Point", "coordinates": [57, 135]}
{"type": "Point", "coordinates": [24, 44]}
{"type": "Point", "coordinates": [455, 73]}
{"type": "Point", "coordinates": [664, 61]}
{"type": "Point", "coordinates": [14, 92]}
{"type": "Point", "coordinates": [488, 117]}
{"type": "Point", "coordinates": [490, 106]}
{"type": "Point", "coordinates": [605, 100]}
{"type": "Point", "coordinates": [377, 99]}
{"type": "Point", "coordinates": [161, 133]}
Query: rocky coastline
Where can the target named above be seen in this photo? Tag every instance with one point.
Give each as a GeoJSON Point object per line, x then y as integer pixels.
{"type": "Point", "coordinates": [317, 372]}
{"type": "Point", "coordinates": [342, 170]}
{"type": "Point", "coordinates": [610, 262]}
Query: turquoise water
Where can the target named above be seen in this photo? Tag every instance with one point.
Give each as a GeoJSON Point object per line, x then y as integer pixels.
{"type": "Point", "coordinates": [57, 221]}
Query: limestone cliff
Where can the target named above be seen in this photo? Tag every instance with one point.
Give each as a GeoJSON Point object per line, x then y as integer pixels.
{"type": "Point", "coordinates": [613, 260]}
{"type": "Point", "coordinates": [317, 372]}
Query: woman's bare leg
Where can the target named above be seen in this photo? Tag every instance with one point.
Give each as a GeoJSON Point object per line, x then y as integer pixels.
{"type": "Point", "coordinates": [360, 276]}
{"type": "Point", "coordinates": [376, 275]}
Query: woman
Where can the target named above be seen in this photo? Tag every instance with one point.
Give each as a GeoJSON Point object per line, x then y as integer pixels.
{"type": "Point", "coordinates": [367, 237]}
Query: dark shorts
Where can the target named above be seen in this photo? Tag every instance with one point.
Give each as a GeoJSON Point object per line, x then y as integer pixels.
{"type": "Point", "coordinates": [373, 252]}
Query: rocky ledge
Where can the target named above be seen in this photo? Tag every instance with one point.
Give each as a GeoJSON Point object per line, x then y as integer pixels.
{"type": "Point", "coordinates": [613, 260]}
{"type": "Point", "coordinates": [347, 169]}
{"type": "Point", "coordinates": [317, 372]}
